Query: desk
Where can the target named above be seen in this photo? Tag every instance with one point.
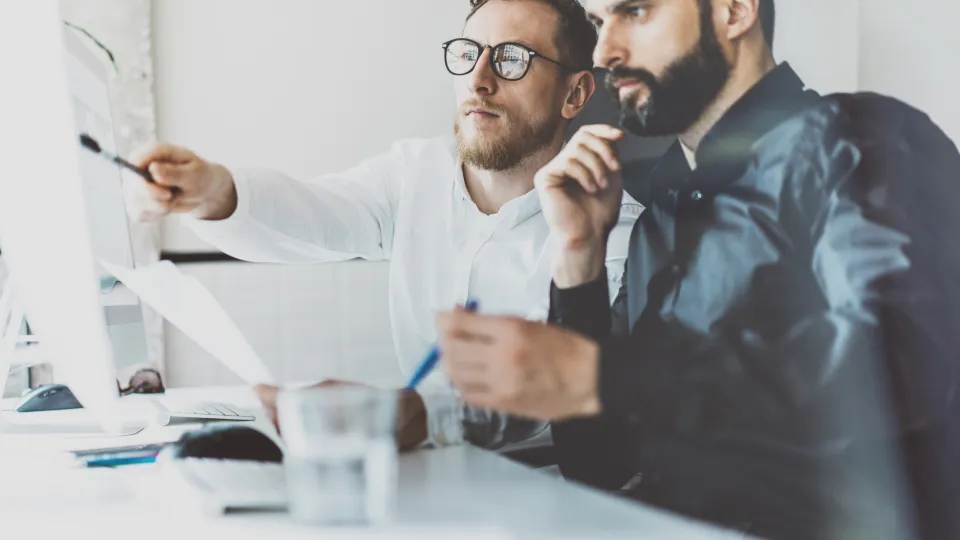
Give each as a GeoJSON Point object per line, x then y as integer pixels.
{"type": "Point", "coordinates": [451, 493]}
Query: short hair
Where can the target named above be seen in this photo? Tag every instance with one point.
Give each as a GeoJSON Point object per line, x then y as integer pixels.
{"type": "Point", "coordinates": [768, 18]}
{"type": "Point", "coordinates": [576, 37]}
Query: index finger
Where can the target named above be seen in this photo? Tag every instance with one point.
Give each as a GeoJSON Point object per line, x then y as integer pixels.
{"type": "Point", "coordinates": [604, 131]}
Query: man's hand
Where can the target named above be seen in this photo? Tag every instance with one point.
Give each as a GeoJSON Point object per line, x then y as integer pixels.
{"type": "Point", "coordinates": [580, 192]}
{"type": "Point", "coordinates": [519, 367]}
{"type": "Point", "coordinates": [184, 183]}
{"type": "Point", "coordinates": [411, 413]}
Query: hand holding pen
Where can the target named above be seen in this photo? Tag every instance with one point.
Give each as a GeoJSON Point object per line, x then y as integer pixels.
{"type": "Point", "coordinates": [175, 180]}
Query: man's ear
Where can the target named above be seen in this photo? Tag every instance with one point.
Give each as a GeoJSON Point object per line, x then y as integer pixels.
{"type": "Point", "coordinates": [582, 89]}
{"type": "Point", "coordinates": [742, 17]}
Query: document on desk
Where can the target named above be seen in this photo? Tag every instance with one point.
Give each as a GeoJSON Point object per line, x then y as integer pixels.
{"type": "Point", "coordinates": [188, 305]}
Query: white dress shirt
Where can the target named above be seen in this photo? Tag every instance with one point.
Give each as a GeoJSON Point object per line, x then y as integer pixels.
{"type": "Point", "coordinates": [690, 155]}
{"type": "Point", "coordinates": [410, 205]}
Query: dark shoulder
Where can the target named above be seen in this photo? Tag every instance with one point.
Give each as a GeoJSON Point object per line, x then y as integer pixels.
{"type": "Point", "coordinates": [836, 133]}
{"type": "Point", "coordinates": [864, 120]}
{"type": "Point", "coordinates": [868, 119]}
{"type": "Point", "coordinates": [873, 150]}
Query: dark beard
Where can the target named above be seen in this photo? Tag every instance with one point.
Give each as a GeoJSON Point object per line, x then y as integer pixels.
{"type": "Point", "coordinates": [682, 94]}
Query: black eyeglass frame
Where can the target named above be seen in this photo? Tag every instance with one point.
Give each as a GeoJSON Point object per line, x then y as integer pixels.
{"type": "Point", "coordinates": [480, 48]}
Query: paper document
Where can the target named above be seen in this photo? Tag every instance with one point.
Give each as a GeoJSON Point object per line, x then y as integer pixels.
{"type": "Point", "coordinates": [189, 306]}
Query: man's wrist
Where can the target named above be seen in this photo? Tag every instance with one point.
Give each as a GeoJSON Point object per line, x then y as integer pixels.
{"type": "Point", "coordinates": [580, 264]}
{"type": "Point", "coordinates": [222, 202]}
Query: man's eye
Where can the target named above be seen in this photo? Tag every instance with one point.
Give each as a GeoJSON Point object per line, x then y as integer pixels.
{"type": "Point", "coordinates": [638, 11]}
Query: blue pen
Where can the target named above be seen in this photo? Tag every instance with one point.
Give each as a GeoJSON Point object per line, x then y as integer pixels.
{"type": "Point", "coordinates": [430, 362]}
{"type": "Point", "coordinates": [120, 461]}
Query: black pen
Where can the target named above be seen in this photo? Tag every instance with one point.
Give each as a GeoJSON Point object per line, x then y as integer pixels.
{"type": "Point", "coordinates": [92, 145]}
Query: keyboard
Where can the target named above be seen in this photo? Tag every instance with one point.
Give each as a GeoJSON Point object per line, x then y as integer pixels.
{"type": "Point", "coordinates": [232, 485]}
{"type": "Point", "coordinates": [189, 413]}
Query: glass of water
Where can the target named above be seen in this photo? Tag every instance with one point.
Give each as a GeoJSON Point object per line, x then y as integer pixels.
{"type": "Point", "coordinates": [341, 457]}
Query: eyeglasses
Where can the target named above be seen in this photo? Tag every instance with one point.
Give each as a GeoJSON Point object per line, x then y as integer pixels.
{"type": "Point", "coordinates": [510, 61]}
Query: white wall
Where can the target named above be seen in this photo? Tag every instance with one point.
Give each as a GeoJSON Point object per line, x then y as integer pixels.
{"type": "Point", "coordinates": [911, 50]}
{"type": "Point", "coordinates": [289, 84]}
{"type": "Point", "coordinates": [820, 40]}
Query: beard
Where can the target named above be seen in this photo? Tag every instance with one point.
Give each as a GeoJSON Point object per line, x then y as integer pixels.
{"type": "Point", "coordinates": [678, 98]}
{"type": "Point", "coordinates": [520, 138]}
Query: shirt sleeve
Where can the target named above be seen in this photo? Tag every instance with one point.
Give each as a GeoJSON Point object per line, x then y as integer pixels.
{"type": "Point", "coordinates": [586, 309]}
{"type": "Point", "coordinates": [335, 217]}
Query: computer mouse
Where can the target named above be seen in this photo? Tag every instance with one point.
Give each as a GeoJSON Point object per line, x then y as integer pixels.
{"type": "Point", "coordinates": [49, 397]}
{"type": "Point", "coordinates": [224, 441]}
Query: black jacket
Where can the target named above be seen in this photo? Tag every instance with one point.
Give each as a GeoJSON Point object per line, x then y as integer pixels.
{"type": "Point", "coordinates": [784, 352]}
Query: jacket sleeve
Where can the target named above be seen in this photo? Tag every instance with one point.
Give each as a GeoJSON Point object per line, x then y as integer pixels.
{"type": "Point", "coordinates": [585, 309]}
{"type": "Point", "coordinates": [880, 342]}
{"type": "Point", "coordinates": [334, 217]}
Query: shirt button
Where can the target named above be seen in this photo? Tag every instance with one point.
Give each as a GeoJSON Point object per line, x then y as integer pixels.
{"type": "Point", "coordinates": [697, 195]}
{"type": "Point", "coordinates": [675, 270]}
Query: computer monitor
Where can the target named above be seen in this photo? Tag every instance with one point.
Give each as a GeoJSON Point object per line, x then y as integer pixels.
{"type": "Point", "coordinates": [45, 232]}
{"type": "Point", "coordinates": [88, 80]}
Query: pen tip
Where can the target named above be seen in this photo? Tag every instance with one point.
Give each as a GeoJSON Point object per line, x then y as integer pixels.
{"type": "Point", "coordinates": [89, 143]}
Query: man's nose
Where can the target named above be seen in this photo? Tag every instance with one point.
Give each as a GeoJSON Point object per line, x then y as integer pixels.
{"type": "Point", "coordinates": [612, 50]}
{"type": "Point", "coordinates": [483, 81]}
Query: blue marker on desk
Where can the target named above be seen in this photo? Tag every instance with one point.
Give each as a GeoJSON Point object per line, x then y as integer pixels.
{"type": "Point", "coordinates": [430, 362]}
{"type": "Point", "coordinates": [119, 461]}
{"type": "Point", "coordinates": [120, 456]}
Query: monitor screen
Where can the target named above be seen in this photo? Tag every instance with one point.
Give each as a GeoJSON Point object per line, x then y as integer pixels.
{"type": "Point", "coordinates": [88, 77]}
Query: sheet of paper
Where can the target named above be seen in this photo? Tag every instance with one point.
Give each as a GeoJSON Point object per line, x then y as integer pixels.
{"type": "Point", "coordinates": [188, 305]}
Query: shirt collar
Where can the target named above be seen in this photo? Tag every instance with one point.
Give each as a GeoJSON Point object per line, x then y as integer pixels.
{"type": "Point", "coordinates": [690, 155]}
{"type": "Point", "coordinates": [514, 212]}
{"type": "Point", "coordinates": [776, 97]}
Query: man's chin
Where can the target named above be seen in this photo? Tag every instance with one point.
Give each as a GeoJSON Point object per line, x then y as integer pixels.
{"type": "Point", "coordinates": [482, 144]}
{"type": "Point", "coordinates": [636, 98]}
{"type": "Point", "coordinates": [637, 122]}
{"type": "Point", "coordinates": [483, 132]}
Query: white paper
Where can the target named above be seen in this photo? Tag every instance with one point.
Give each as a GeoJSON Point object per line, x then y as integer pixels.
{"type": "Point", "coordinates": [189, 306]}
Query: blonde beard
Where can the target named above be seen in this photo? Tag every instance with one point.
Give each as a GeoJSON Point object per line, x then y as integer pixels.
{"type": "Point", "coordinates": [507, 151]}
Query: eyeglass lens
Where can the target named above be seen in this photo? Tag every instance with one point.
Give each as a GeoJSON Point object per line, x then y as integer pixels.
{"type": "Point", "coordinates": [509, 61]}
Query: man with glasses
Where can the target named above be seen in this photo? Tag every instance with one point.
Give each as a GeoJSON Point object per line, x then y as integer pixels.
{"type": "Point", "coordinates": [457, 217]}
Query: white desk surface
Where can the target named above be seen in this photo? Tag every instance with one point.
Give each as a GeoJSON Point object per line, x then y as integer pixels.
{"type": "Point", "coordinates": [460, 492]}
